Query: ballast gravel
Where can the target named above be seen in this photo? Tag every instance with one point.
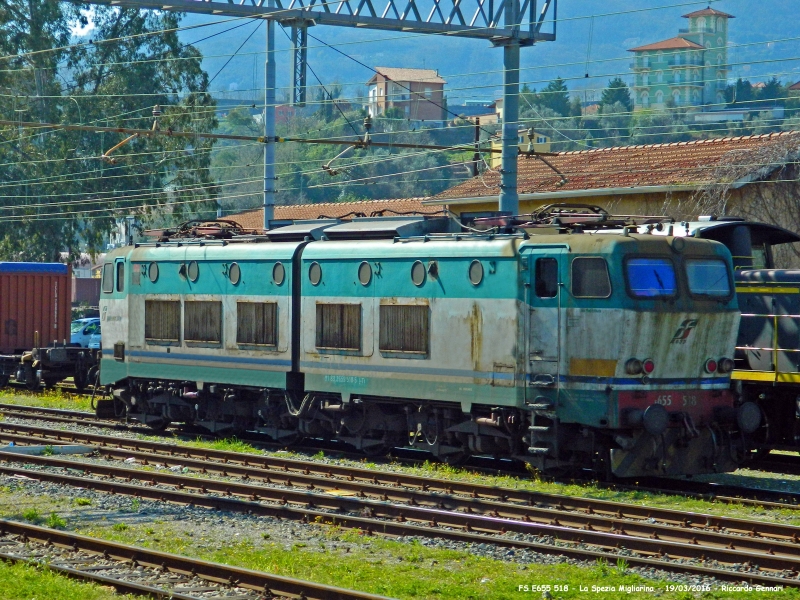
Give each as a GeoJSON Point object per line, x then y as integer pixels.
{"type": "Point", "coordinates": [85, 510]}
{"type": "Point", "coordinates": [206, 529]}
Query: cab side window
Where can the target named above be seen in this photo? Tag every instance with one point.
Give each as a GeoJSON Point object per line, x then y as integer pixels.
{"type": "Point", "coordinates": [590, 278]}
{"type": "Point", "coordinates": [108, 278]}
{"type": "Point", "coordinates": [120, 276]}
{"type": "Point", "coordinates": [546, 277]}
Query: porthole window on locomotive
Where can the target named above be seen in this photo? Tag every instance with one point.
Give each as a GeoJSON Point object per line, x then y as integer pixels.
{"type": "Point", "coordinates": [278, 273]}
{"type": "Point", "coordinates": [590, 278]}
{"type": "Point", "coordinates": [152, 272]}
{"type": "Point", "coordinates": [418, 273]}
{"type": "Point", "coordinates": [314, 273]}
{"type": "Point", "coordinates": [234, 273]}
{"type": "Point", "coordinates": [364, 273]}
{"type": "Point", "coordinates": [475, 272]}
{"type": "Point", "coordinates": [193, 271]}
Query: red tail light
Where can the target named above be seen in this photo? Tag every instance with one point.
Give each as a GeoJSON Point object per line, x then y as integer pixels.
{"type": "Point", "coordinates": [648, 366]}
{"type": "Point", "coordinates": [711, 366]}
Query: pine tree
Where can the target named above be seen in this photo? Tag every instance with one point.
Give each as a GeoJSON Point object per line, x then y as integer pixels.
{"type": "Point", "coordinates": [617, 91]}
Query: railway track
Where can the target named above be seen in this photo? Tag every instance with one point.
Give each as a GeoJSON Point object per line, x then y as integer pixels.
{"type": "Point", "coordinates": [704, 491]}
{"type": "Point", "coordinates": [763, 553]}
{"type": "Point", "coordinates": [779, 463]}
{"type": "Point", "coordinates": [141, 571]}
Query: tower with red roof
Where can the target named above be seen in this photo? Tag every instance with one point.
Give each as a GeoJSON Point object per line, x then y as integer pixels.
{"type": "Point", "coordinates": [689, 70]}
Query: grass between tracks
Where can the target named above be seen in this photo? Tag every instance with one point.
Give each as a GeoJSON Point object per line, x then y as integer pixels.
{"type": "Point", "coordinates": [743, 477]}
{"type": "Point", "coordinates": [23, 582]}
{"type": "Point", "coordinates": [411, 570]}
{"type": "Point", "coordinates": [53, 398]}
{"type": "Point", "coordinates": [343, 558]}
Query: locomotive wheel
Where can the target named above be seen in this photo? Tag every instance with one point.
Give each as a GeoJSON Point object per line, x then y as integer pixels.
{"type": "Point", "coordinates": [158, 424]}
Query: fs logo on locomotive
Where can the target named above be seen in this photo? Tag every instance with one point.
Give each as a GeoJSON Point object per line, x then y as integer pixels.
{"type": "Point", "coordinates": [684, 331]}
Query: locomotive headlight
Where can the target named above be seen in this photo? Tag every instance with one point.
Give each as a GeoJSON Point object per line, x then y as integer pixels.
{"type": "Point", "coordinates": [648, 366]}
{"type": "Point", "coordinates": [633, 366]}
{"type": "Point", "coordinates": [725, 365]}
{"type": "Point", "coordinates": [711, 366]}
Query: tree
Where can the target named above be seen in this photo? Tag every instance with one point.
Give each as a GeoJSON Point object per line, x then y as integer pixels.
{"type": "Point", "coordinates": [60, 195]}
{"type": "Point", "coordinates": [575, 107]}
{"type": "Point", "coordinates": [617, 91]}
{"type": "Point", "coordinates": [555, 96]}
{"type": "Point", "coordinates": [740, 92]}
{"type": "Point", "coordinates": [772, 92]}
{"type": "Point", "coordinates": [615, 120]}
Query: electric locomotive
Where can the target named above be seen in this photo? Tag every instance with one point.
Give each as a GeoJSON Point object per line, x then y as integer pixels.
{"type": "Point", "coordinates": [548, 345]}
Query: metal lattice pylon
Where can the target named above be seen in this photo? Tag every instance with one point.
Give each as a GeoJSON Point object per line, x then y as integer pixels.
{"type": "Point", "coordinates": [486, 19]}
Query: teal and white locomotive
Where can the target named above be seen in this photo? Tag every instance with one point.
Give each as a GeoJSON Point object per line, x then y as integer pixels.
{"type": "Point", "coordinates": [555, 347]}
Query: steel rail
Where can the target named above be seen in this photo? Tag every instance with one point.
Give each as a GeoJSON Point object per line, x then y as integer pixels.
{"type": "Point", "coordinates": [517, 519]}
{"type": "Point", "coordinates": [59, 412]}
{"type": "Point", "coordinates": [392, 520]}
{"type": "Point", "coordinates": [540, 508]}
{"type": "Point", "coordinates": [778, 463]}
{"type": "Point", "coordinates": [783, 500]}
{"type": "Point", "coordinates": [51, 415]}
{"type": "Point", "coordinates": [762, 498]}
{"type": "Point", "coordinates": [216, 573]}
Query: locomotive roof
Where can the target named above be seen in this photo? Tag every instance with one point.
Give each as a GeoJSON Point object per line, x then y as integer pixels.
{"type": "Point", "coordinates": [443, 246]}
{"type": "Point", "coordinates": [180, 252]}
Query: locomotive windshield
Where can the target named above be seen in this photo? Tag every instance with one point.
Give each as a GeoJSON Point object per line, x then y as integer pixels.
{"type": "Point", "coordinates": [708, 277]}
{"type": "Point", "coordinates": [651, 277]}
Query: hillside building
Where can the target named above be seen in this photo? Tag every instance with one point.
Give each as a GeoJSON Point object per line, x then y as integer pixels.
{"type": "Point", "coordinates": [417, 93]}
{"type": "Point", "coordinates": [690, 69]}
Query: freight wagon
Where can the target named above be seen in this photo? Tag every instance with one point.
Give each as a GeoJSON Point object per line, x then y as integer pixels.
{"type": "Point", "coordinates": [559, 348]}
{"type": "Point", "coordinates": [35, 316]}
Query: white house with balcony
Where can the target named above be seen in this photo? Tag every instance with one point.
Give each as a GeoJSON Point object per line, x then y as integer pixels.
{"type": "Point", "coordinates": [690, 69]}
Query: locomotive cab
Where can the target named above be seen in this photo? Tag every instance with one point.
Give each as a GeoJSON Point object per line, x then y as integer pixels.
{"type": "Point", "coordinates": [630, 350]}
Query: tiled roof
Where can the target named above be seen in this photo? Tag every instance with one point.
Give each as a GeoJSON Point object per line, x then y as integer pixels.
{"type": "Point", "coordinates": [676, 164]}
{"type": "Point", "coordinates": [254, 219]}
{"type": "Point", "coordinates": [415, 75]}
{"type": "Point", "coordinates": [676, 43]}
{"type": "Point", "coordinates": [795, 86]}
{"type": "Point", "coordinates": [708, 12]}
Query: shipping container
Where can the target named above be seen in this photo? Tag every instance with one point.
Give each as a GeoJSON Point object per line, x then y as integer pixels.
{"type": "Point", "coordinates": [86, 290]}
{"type": "Point", "coordinates": [34, 297]}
